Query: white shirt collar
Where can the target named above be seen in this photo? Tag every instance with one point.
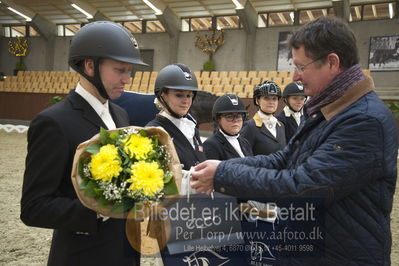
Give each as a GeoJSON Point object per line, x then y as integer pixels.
{"type": "Point", "coordinates": [296, 115]}
{"type": "Point", "coordinates": [93, 101]}
{"type": "Point", "coordinates": [268, 120]}
{"type": "Point", "coordinates": [288, 111]}
{"type": "Point", "coordinates": [229, 137]}
{"type": "Point", "coordinates": [174, 120]}
{"type": "Point", "coordinates": [185, 125]}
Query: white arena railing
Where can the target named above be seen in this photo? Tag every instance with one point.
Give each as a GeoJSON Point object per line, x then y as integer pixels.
{"type": "Point", "coordinates": [18, 128]}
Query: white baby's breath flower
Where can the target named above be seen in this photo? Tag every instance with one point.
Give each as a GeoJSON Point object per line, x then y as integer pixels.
{"type": "Point", "coordinates": [86, 170]}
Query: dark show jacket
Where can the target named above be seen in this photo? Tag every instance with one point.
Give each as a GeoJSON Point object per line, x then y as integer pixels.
{"type": "Point", "coordinates": [261, 139]}
{"type": "Point", "coordinates": [345, 154]}
{"type": "Point", "coordinates": [217, 147]}
{"type": "Point", "coordinates": [290, 124]}
{"type": "Point", "coordinates": [48, 197]}
{"type": "Point", "coordinates": [188, 156]}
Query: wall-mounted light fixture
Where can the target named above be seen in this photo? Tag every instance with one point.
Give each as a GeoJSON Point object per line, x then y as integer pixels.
{"type": "Point", "coordinates": [81, 10]}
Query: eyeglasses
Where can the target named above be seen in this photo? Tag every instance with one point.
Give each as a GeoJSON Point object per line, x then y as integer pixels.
{"type": "Point", "coordinates": [232, 117]}
{"type": "Point", "coordinates": [301, 69]}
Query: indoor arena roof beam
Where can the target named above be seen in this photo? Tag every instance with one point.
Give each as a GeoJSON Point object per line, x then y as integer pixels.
{"type": "Point", "coordinates": [342, 9]}
{"type": "Point", "coordinates": [171, 23]}
{"type": "Point", "coordinates": [249, 19]}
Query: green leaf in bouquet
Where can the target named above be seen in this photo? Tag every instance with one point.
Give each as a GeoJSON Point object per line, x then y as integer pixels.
{"type": "Point", "coordinates": [103, 202]}
{"type": "Point", "coordinates": [128, 204]}
{"type": "Point", "coordinates": [104, 136]}
{"type": "Point", "coordinates": [126, 160]}
{"type": "Point", "coordinates": [151, 156]}
{"type": "Point", "coordinates": [124, 156]}
{"type": "Point", "coordinates": [98, 191]}
{"type": "Point", "coordinates": [80, 167]}
{"type": "Point", "coordinates": [129, 154]}
{"type": "Point", "coordinates": [156, 142]}
{"type": "Point", "coordinates": [114, 136]}
{"type": "Point", "coordinates": [90, 189]}
{"type": "Point", "coordinates": [117, 207]}
{"type": "Point", "coordinates": [170, 188]}
{"type": "Point", "coordinates": [123, 206]}
{"type": "Point", "coordinates": [127, 171]}
{"type": "Point", "coordinates": [167, 177]}
{"type": "Point", "coordinates": [143, 133]}
{"type": "Point", "coordinates": [83, 184]}
{"type": "Point", "coordinates": [93, 148]}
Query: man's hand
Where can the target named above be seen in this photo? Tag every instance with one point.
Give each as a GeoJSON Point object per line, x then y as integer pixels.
{"type": "Point", "coordinates": [202, 176]}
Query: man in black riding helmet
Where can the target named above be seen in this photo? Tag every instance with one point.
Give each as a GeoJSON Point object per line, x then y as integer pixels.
{"type": "Point", "coordinates": [294, 98]}
{"type": "Point", "coordinates": [103, 53]}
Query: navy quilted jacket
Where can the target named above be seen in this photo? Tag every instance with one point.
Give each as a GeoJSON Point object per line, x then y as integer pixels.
{"type": "Point", "coordinates": [345, 154]}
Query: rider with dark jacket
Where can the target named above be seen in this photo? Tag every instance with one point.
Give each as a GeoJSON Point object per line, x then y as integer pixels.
{"type": "Point", "coordinates": [264, 132]}
{"type": "Point", "coordinates": [294, 98]}
{"type": "Point", "coordinates": [229, 113]}
{"type": "Point", "coordinates": [175, 90]}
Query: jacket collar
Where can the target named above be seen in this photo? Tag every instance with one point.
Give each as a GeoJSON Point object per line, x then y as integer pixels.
{"type": "Point", "coordinates": [226, 144]}
{"type": "Point", "coordinates": [229, 148]}
{"type": "Point", "coordinates": [350, 96]}
{"type": "Point", "coordinates": [79, 103]}
{"type": "Point", "coordinates": [259, 123]}
{"type": "Point", "coordinates": [172, 129]}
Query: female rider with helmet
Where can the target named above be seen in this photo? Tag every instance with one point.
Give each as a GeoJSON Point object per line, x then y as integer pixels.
{"type": "Point", "coordinates": [264, 132]}
{"type": "Point", "coordinates": [229, 113]}
{"type": "Point", "coordinates": [175, 90]}
{"type": "Point", "coordinates": [294, 97]}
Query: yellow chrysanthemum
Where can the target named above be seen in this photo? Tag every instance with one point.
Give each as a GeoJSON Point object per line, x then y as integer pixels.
{"type": "Point", "coordinates": [138, 146]}
{"type": "Point", "coordinates": [146, 177]}
{"type": "Point", "coordinates": [106, 164]}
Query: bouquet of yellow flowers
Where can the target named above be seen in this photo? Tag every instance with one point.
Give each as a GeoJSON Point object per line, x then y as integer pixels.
{"type": "Point", "coordinates": [119, 168]}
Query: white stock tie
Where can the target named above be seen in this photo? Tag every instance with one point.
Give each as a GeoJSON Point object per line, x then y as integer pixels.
{"type": "Point", "coordinates": [297, 117]}
{"type": "Point", "coordinates": [107, 118]}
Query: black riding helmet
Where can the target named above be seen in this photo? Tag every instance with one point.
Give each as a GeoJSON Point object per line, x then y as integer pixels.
{"type": "Point", "coordinates": [229, 103]}
{"type": "Point", "coordinates": [102, 39]}
{"type": "Point", "coordinates": [266, 88]}
{"type": "Point", "coordinates": [293, 89]}
{"type": "Point", "coordinates": [177, 77]}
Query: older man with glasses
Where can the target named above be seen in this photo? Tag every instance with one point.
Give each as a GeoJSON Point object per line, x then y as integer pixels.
{"type": "Point", "coordinates": [343, 156]}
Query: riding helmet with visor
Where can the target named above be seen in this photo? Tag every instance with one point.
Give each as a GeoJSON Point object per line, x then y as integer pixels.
{"type": "Point", "coordinates": [99, 40]}
{"type": "Point", "coordinates": [266, 88]}
{"type": "Point", "coordinates": [177, 77]}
